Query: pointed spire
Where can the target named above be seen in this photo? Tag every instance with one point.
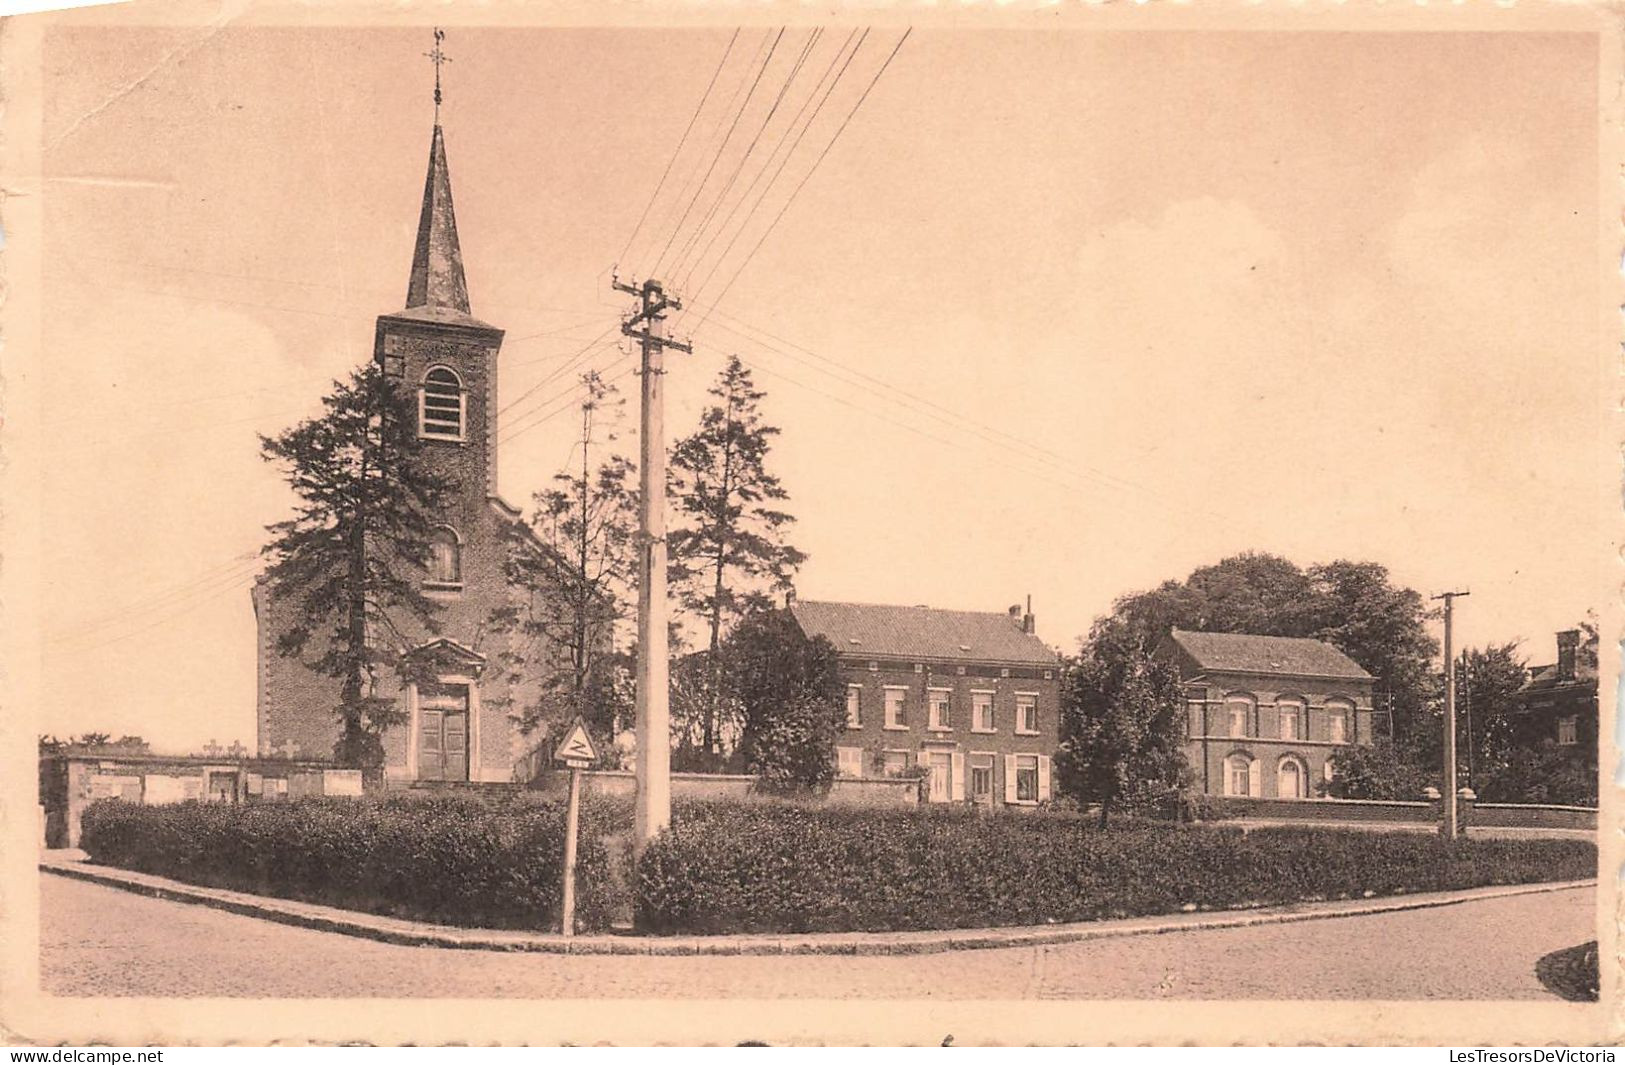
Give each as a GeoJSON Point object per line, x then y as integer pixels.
{"type": "Point", "coordinates": [437, 280]}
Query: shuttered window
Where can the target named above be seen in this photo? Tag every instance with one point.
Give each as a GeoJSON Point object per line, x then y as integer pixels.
{"type": "Point", "coordinates": [1026, 778]}
{"type": "Point", "coordinates": [440, 405]}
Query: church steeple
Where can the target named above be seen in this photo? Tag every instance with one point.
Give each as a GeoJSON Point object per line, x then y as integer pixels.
{"type": "Point", "coordinates": [437, 281]}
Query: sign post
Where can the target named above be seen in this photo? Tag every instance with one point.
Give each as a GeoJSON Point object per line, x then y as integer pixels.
{"type": "Point", "coordinates": [577, 752]}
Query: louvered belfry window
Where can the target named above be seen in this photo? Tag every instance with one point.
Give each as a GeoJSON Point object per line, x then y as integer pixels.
{"type": "Point", "coordinates": [440, 405]}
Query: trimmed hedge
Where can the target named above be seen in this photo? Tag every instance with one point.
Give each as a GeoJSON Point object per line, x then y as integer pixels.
{"type": "Point", "coordinates": [450, 860]}
{"type": "Point", "coordinates": [770, 866]}
{"type": "Point", "coordinates": [781, 868]}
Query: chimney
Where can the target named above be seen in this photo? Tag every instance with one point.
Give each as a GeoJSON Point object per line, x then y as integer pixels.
{"type": "Point", "coordinates": [1015, 614]}
{"type": "Point", "coordinates": [1028, 622]}
{"type": "Point", "coordinates": [1568, 644]}
{"type": "Point", "coordinates": [789, 598]}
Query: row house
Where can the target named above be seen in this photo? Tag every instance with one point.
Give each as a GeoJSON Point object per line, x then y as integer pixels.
{"type": "Point", "coordinates": [1264, 714]}
{"type": "Point", "coordinates": [970, 698]}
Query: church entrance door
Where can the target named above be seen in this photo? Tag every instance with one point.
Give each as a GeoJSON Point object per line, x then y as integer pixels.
{"type": "Point", "coordinates": [443, 732]}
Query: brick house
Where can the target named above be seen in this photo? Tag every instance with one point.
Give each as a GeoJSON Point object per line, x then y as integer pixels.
{"type": "Point", "coordinates": [458, 727]}
{"type": "Point", "coordinates": [970, 697]}
{"type": "Point", "coordinates": [1265, 713]}
{"type": "Point", "coordinates": [1558, 703]}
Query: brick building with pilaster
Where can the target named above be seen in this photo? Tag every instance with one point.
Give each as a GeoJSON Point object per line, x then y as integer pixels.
{"type": "Point", "coordinates": [970, 698]}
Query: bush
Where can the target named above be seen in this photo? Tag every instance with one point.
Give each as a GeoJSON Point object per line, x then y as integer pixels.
{"type": "Point", "coordinates": [451, 860]}
{"type": "Point", "coordinates": [766, 867]}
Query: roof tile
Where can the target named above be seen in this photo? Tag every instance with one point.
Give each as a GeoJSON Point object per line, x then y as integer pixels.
{"type": "Point", "coordinates": [921, 632]}
{"type": "Point", "coordinates": [1246, 653]}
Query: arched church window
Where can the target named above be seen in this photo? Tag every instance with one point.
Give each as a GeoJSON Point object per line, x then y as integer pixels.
{"type": "Point", "coordinates": [445, 556]}
{"type": "Point", "coordinates": [440, 405]}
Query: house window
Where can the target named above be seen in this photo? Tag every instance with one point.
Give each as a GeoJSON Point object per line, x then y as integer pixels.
{"type": "Point", "coordinates": [440, 405]}
{"type": "Point", "coordinates": [981, 777]}
{"type": "Point", "coordinates": [849, 761]}
{"type": "Point", "coordinates": [1026, 778]}
{"type": "Point", "coordinates": [893, 763]}
{"type": "Point", "coordinates": [1291, 715]}
{"type": "Point", "coordinates": [854, 709]}
{"type": "Point", "coordinates": [1238, 775]}
{"type": "Point", "coordinates": [445, 556]}
{"type": "Point", "coordinates": [1238, 711]}
{"type": "Point", "coordinates": [1337, 721]}
{"type": "Point", "coordinates": [981, 711]}
{"type": "Point", "coordinates": [940, 719]}
{"type": "Point", "coordinates": [1027, 713]}
{"type": "Point", "coordinates": [1568, 731]}
{"type": "Point", "coordinates": [894, 708]}
{"type": "Point", "coordinates": [1290, 779]}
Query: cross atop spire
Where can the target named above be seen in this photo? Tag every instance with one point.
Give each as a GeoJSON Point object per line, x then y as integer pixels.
{"type": "Point", "coordinates": [437, 57]}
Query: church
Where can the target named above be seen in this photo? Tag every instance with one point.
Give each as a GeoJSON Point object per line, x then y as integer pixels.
{"type": "Point", "coordinates": [457, 724]}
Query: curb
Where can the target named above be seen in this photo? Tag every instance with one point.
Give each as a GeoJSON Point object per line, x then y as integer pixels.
{"type": "Point", "coordinates": [410, 933]}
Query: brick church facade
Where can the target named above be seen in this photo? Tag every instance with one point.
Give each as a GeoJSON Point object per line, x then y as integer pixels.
{"type": "Point", "coordinates": [457, 724]}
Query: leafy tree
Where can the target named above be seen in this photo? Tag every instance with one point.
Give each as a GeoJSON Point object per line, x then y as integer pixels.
{"type": "Point", "coordinates": [1121, 720]}
{"type": "Point", "coordinates": [352, 557]}
{"type": "Point", "coordinates": [728, 549]}
{"type": "Point", "coordinates": [1376, 771]}
{"type": "Point", "coordinates": [1487, 683]}
{"type": "Point", "coordinates": [1548, 773]}
{"type": "Point", "coordinates": [1358, 609]}
{"type": "Point", "coordinates": [1355, 606]}
{"type": "Point", "coordinates": [1585, 657]}
{"type": "Point", "coordinates": [700, 693]}
{"type": "Point", "coordinates": [94, 741]}
{"type": "Point", "coordinates": [792, 699]}
{"type": "Point", "coordinates": [572, 569]}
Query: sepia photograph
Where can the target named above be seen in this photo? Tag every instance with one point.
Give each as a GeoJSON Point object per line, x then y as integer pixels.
{"type": "Point", "coordinates": [1030, 525]}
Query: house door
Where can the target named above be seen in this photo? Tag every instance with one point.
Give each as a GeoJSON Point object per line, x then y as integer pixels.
{"type": "Point", "coordinates": [443, 733]}
{"type": "Point", "coordinates": [942, 767]}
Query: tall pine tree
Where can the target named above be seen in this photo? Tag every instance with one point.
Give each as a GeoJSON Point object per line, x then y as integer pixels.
{"type": "Point", "coordinates": [352, 558]}
{"type": "Point", "coordinates": [729, 552]}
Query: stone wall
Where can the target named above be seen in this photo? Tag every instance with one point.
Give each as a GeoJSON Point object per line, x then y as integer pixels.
{"type": "Point", "coordinates": [882, 791]}
{"type": "Point", "coordinates": [70, 783]}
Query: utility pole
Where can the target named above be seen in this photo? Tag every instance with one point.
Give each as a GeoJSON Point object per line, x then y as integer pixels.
{"type": "Point", "coordinates": [1452, 827]}
{"type": "Point", "coordinates": [647, 325]}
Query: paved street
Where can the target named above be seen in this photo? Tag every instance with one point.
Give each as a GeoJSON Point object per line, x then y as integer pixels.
{"type": "Point", "coordinates": [98, 940]}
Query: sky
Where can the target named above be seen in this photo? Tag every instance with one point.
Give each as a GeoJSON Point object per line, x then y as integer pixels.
{"type": "Point", "coordinates": [1060, 314]}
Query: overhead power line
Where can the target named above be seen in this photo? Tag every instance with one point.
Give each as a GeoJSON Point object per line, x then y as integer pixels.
{"type": "Point", "coordinates": [738, 114]}
{"type": "Point", "coordinates": [811, 171]}
{"type": "Point", "coordinates": [679, 149]}
{"type": "Point", "coordinates": [929, 408]}
{"type": "Point", "coordinates": [783, 139]}
{"type": "Point", "coordinates": [745, 156]}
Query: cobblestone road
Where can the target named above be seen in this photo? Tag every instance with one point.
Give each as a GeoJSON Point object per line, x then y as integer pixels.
{"type": "Point", "coordinates": [97, 940]}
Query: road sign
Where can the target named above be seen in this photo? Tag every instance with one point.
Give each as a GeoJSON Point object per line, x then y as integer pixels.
{"type": "Point", "coordinates": [576, 749]}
